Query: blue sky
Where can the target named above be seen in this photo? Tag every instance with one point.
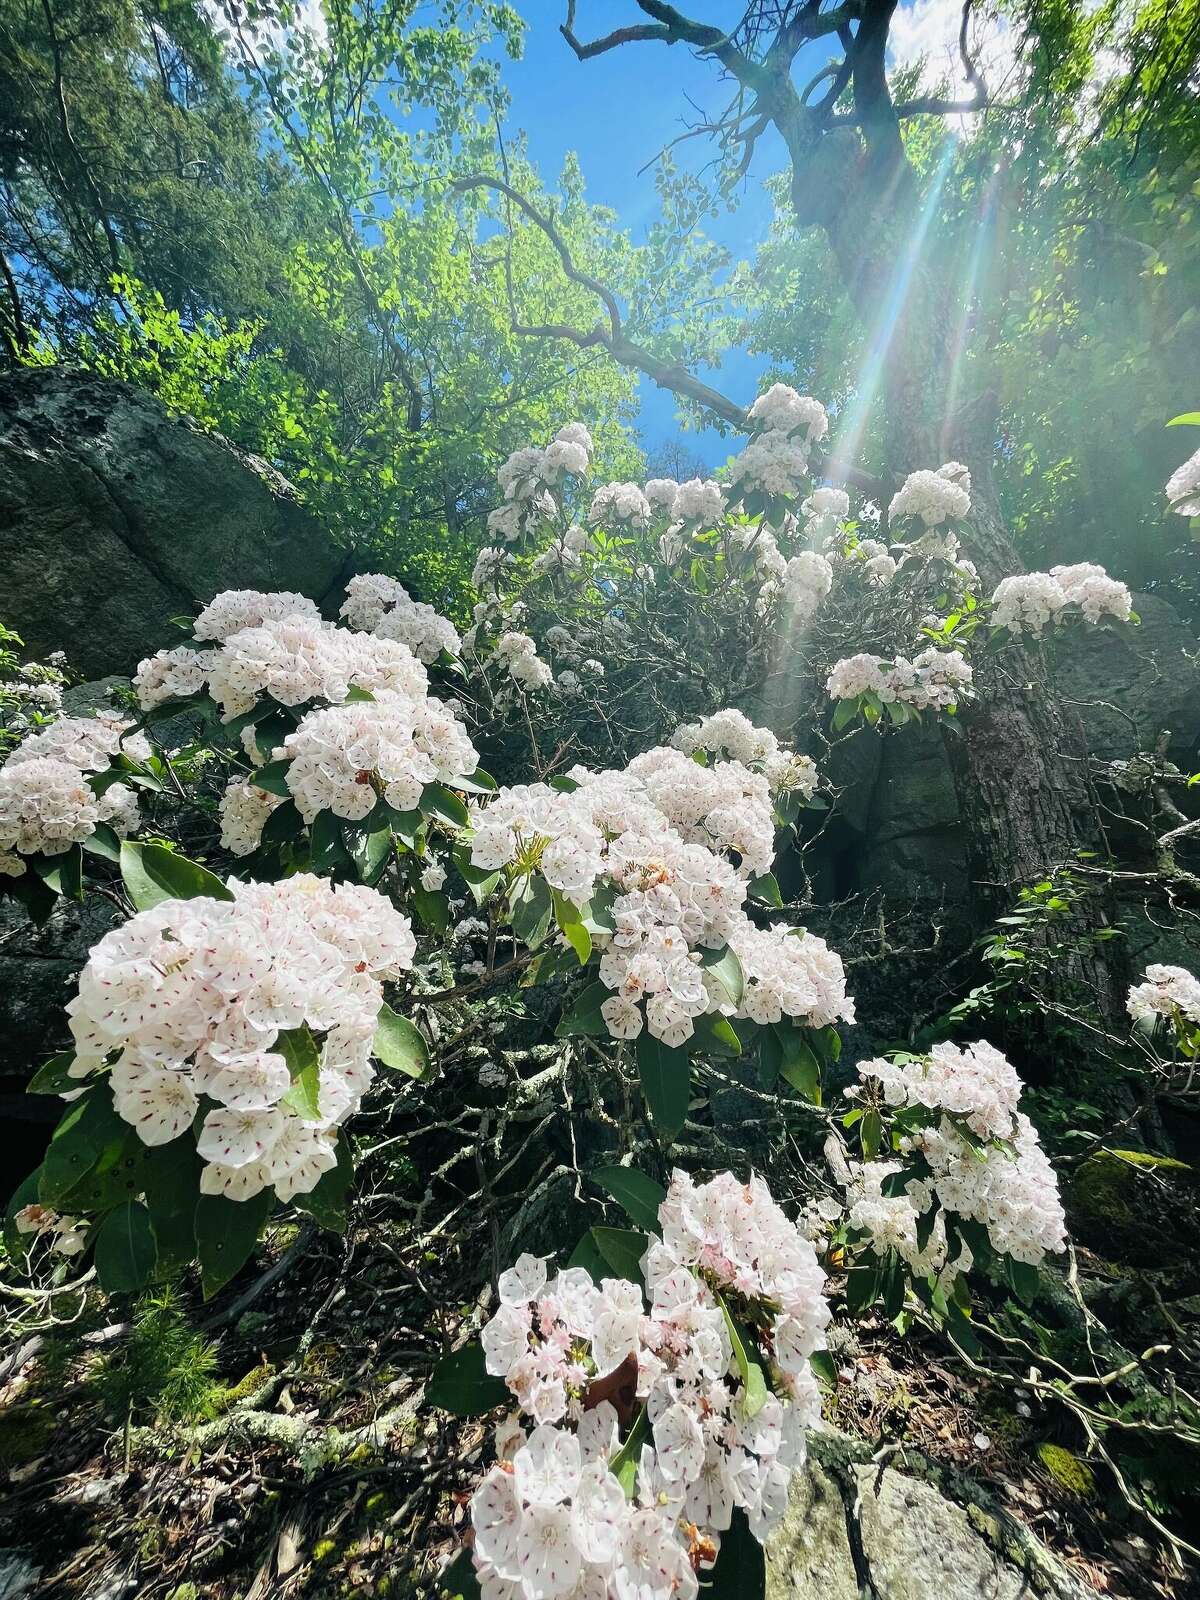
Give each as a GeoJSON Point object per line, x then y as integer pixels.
{"type": "Point", "coordinates": [618, 110]}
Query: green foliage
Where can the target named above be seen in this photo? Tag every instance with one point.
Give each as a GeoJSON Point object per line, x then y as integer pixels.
{"type": "Point", "coordinates": [164, 1369]}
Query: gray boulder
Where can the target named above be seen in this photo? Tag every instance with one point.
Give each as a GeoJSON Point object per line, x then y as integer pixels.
{"type": "Point", "coordinates": [116, 517]}
{"type": "Point", "coordinates": [854, 1529]}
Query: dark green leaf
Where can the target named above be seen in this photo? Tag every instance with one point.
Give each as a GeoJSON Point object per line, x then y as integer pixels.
{"type": "Point", "coordinates": [586, 1254]}
{"type": "Point", "coordinates": [63, 874]}
{"type": "Point", "coordinates": [459, 1582]}
{"type": "Point", "coordinates": [714, 1035]}
{"type": "Point", "coordinates": [103, 842]}
{"type": "Point", "coordinates": [477, 880]}
{"type": "Point", "coordinates": [438, 801]}
{"type": "Point", "coordinates": [273, 777]}
{"type": "Point", "coordinates": [326, 847]}
{"type": "Point", "coordinates": [328, 1203]}
{"type": "Point", "coordinates": [462, 1384]}
{"type": "Point", "coordinates": [665, 1076]}
{"type": "Point", "coordinates": [226, 1233]}
{"type": "Point", "coordinates": [152, 873]}
{"type": "Point", "coordinates": [797, 1062]}
{"type": "Point", "coordinates": [862, 1288]}
{"type": "Point", "coordinates": [87, 1127]}
{"type": "Point", "coordinates": [433, 908]}
{"type": "Point", "coordinates": [399, 1045]}
{"type": "Point", "coordinates": [870, 1133]}
{"type": "Point", "coordinates": [53, 1076]}
{"type": "Point", "coordinates": [570, 920]}
{"type": "Point", "coordinates": [624, 1463]}
{"type": "Point", "coordinates": [126, 1249]}
{"type": "Point", "coordinates": [530, 909]}
{"type": "Point", "coordinates": [299, 1049]}
{"type": "Point", "coordinates": [584, 1016]}
{"type": "Point", "coordinates": [623, 1249]}
{"type": "Point", "coordinates": [284, 823]}
{"type": "Point", "coordinates": [753, 1380]}
{"type": "Point", "coordinates": [639, 1194]}
{"type": "Point", "coordinates": [765, 889]}
{"type": "Point", "coordinates": [725, 969]}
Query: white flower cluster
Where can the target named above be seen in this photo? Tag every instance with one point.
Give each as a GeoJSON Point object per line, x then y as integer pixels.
{"type": "Point", "coordinates": [490, 564]}
{"type": "Point", "coordinates": [890, 1222]}
{"type": "Point", "coordinates": [935, 678]}
{"type": "Point", "coordinates": [293, 659]}
{"type": "Point", "coordinates": [823, 511]}
{"type": "Point", "coordinates": [1003, 1179]}
{"type": "Point", "coordinates": [1170, 992]}
{"type": "Point", "coordinates": [731, 734]}
{"type": "Point", "coordinates": [620, 505]}
{"type": "Point", "coordinates": [235, 609]}
{"type": "Point", "coordinates": [378, 604]}
{"type": "Point", "coordinates": [517, 653]}
{"type": "Point", "coordinates": [772, 463]}
{"type": "Point", "coordinates": [640, 832]}
{"type": "Point", "coordinates": [550, 1519]}
{"type": "Point", "coordinates": [1027, 601]}
{"type": "Point", "coordinates": [46, 802]}
{"type": "Point", "coordinates": [191, 998]}
{"type": "Point", "coordinates": [878, 565]}
{"type": "Point", "coordinates": [975, 1082]}
{"type": "Point", "coordinates": [344, 757]}
{"type": "Point", "coordinates": [565, 552]}
{"type": "Point", "coordinates": [934, 497]}
{"type": "Point", "coordinates": [66, 1236]}
{"type": "Point", "coordinates": [244, 809]}
{"type": "Point", "coordinates": [1183, 488]}
{"type": "Point", "coordinates": [806, 582]}
{"type": "Point", "coordinates": [783, 410]}
{"type": "Point", "coordinates": [698, 500]}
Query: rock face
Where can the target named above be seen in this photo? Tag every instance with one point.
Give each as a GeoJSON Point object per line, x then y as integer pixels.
{"type": "Point", "coordinates": [115, 517]}
{"type": "Point", "coordinates": [853, 1531]}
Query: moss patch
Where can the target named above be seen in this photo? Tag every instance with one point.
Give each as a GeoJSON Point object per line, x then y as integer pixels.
{"type": "Point", "coordinates": [1068, 1472]}
{"type": "Point", "coordinates": [25, 1434]}
{"type": "Point", "coordinates": [1106, 1202]}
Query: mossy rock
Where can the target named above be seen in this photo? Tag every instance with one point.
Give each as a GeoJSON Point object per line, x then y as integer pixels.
{"type": "Point", "coordinates": [1069, 1473]}
{"type": "Point", "coordinates": [1106, 1203]}
{"type": "Point", "coordinates": [25, 1434]}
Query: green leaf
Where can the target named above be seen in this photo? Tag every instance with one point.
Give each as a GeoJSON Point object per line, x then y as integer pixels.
{"type": "Point", "coordinates": [639, 1194]}
{"type": "Point", "coordinates": [755, 1383]}
{"type": "Point", "coordinates": [170, 1180]}
{"type": "Point", "coordinates": [152, 873]}
{"type": "Point", "coordinates": [623, 1249]}
{"type": "Point", "coordinates": [299, 1049]}
{"type": "Point", "coordinates": [798, 1063]}
{"type": "Point", "coordinates": [226, 1233]}
{"type": "Point", "coordinates": [714, 1035]}
{"type": "Point", "coordinates": [765, 889]}
{"type": "Point", "coordinates": [103, 842]}
{"type": "Point", "coordinates": [480, 882]}
{"type": "Point", "coordinates": [584, 1016]}
{"type": "Point", "coordinates": [462, 1384]}
{"type": "Point", "coordinates": [479, 782]}
{"type": "Point", "coordinates": [824, 1367]}
{"type": "Point", "coordinates": [326, 847]}
{"type": "Point", "coordinates": [433, 908]}
{"type": "Point", "coordinates": [725, 969]}
{"type": "Point", "coordinates": [407, 826]}
{"type": "Point", "coordinates": [870, 1133]}
{"type": "Point", "coordinates": [1024, 1280]}
{"type": "Point", "coordinates": [356, 693]}
{"type": "Point", "coordinates": [570, 920]}
{"type": "Point", "coordinates": [438, 801]}
{"type": "Point", "coordinates": [88, 1126]}
{"type": "Point", "coordinates": [370, 847]}
{"type": "Point", "coordinates": [740, 1570]}
{"type": "Point", "coordinates": [862, 1284]}
{"type": "Point", "coordinates": [666, 1083]}
{"type": "Point", "coordinates": [273, 777]}
{"type": "Point", "coordinates": [530, 909]}
{"type": "Point", "coordinates": [119, 1174]}
{"type": "Point", "coordinates": [63, 873]}
{"type": "Point", "coordinates": [1189, 419]}
{"type": "Point", "coordinates": [624, 1463]}
{"type": "Point", "coordinates": [126, 1249]}
{"type": "Point", "coordinates": [770, 1058]}
{"type": "Point", "coordinates": [845, 713]}
{"type": "Point", "coordinates": [53, 1076]}
{"type": "Point", "coordinates": [399, 1045]}
{"type": "Point", "coordinates": [328, 1202]}
{"type": "Point", "coordinates": [284, 823]}
{"type": "Point", "coordinates": [586, 1254]}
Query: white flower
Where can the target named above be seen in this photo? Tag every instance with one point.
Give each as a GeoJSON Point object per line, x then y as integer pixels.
{"type": "Point", "coordinates": [599, 1513]}
{"type": "Point", "coordinates": [547, 1468]}
{"type": "Point", "coordinates": [524, 1282]}
{"type": "Point", "coordinates": [1183, 488]}
{"type": "Point", "coordinates": [934, 497]}
{"type": "Point", "coordinates": [235, 1138]}
{"type": "Point", "coordinates": [547, 1554]}
{"type": "Point", "coordinates": [160, 1104]}
{"type": "Point", "coordinates": [498, 1519]}
{"type": "Point", "coordinates": [679, 1444]}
